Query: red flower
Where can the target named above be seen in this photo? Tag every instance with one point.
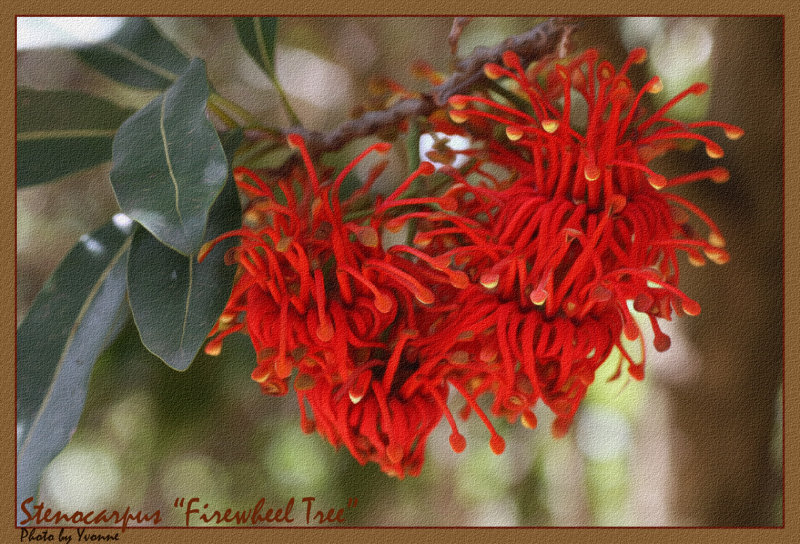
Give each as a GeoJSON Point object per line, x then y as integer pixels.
{"type": "Point", "coordinates": [374, 423]}
{"type": "Point", "coordinates": [517, 285]}
{"type": "Point", "coordinates": [578, 229]}
{"type": "Point", "coordinates": [321, 297]}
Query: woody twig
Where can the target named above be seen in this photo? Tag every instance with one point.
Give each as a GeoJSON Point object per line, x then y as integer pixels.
{"type": "Point", "coordinates": [549, 37]}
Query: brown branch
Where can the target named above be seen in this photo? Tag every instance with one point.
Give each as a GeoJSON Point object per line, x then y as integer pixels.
{"type": "Point", "coordinates": [544, 39]}
{"type": "Point", "coordinates": [459, 24]}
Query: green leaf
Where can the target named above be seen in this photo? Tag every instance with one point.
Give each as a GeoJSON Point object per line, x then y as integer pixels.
{"type": "Point", "coordinates": [257, 35]}
{"type": "Point", "coordinates": [137, 55]}
{"type": "Point", "coordinates": [62, 132]}
{"type": "Point", "coordinates": [169, 165]}
{"type": "Point", "coordinates": [73, 319]}
{"type": "Point", "coordinates": [175, 299]}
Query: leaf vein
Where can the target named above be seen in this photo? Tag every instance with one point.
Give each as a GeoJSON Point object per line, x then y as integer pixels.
{"type": "Point", "coordinates": [262, 46]}
{"type": "Point", "coordinates": [166, 154]}
{"type": "Point", "coordinates": [186, 306]}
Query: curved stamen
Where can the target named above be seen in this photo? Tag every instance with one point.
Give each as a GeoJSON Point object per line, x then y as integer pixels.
{"type": "Point", "coordinates": [325, 329]}
{"type": "Point", "coordinates": [296, 142]}
{"type": "Point", "coordinates": [422, 293]}
{"type": "Point", "coordinates": [695, 89]}
{"type": "Point", "coordinates": [424, 169]}
{"type": "Point", "coordinates": [394, 359]}
{"type": "Point", "coordinates": [496, 442]}
{"type": "Point", "coordinates": [457, 441]}
{"type": "Point", "coordinates": [716, 239]}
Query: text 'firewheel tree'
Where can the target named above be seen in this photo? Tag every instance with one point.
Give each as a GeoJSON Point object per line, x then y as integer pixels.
{"type": "Point", "coordinates": [525, 255]}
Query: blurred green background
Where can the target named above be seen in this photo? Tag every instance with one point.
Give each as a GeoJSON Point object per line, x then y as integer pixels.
{"type": "Point", "coordinates": [697, 443]}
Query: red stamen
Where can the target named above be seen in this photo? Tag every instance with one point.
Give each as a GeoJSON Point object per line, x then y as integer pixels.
{"type": "Point", "coordinates": [296, 142]}
{"type": "Point", "coordinates": [394, 359]}
{"type": "Point", "coordinates": [325, 328]}
{"type": "Point", "coordinates": [496, 441]}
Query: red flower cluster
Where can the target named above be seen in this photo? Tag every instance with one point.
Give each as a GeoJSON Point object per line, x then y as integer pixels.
{"type": "Point", "coordinates": [517, 284]}
{"type": "Point", "coordinates": [318, 293]}
{"type": "Point", "coordinates": [578, 229]}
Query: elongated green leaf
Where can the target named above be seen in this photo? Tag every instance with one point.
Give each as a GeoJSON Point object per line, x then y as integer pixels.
{"type": "Point", "coordinates": [62, 132]}
{"type": "Point", "coordinates": [169, 165]}
{"type": "Point", "coordinates": [257, 35]}
{"type": "Point", "coordinates": [73, 319]}
{"type": "Point", "coordinates": [174, 298]}
{"type": "Point", "coordinates": [137, 55]}
{"type": "Point", "coordinates": [43, 334]}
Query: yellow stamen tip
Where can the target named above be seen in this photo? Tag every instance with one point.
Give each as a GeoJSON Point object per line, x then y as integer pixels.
{"type": "Point", "coordinates": [550, 125]}
{"type": "Point", "coordinates": [204, 249]}
{"type": "Point", "coordinates": [394, 225]}
{"type": "Point", "coordinates": [213, 348]}
{"type": "Point", "coordinates": [514, 133]}
{"type": "Point", "coordinates": [716, 239]}
{"type": "Point", "coordinates": [718, 255]}
{"type": "Point", "coordinates": [714, 151]}
{"type": "Point", "coordinates": [490, 280]}
{"type": "Point", "coordinates": [657, 181]}
{"type": "Point", "coordinates": [458, 102]}
{"type": "Point", "coordinates": [223, 326]}
{"type": "Point", "coordinates": [696, 260]}
{"type": "Point", "coordinates": [457, 117]}
{"type": "Point", "coordinates": [260, 374]}
{"type": "Point", "coordinates": [492, 71]}
{"type": "Point", "coordinates": [691, 307]}
{"type": "Point", "coordinates": [656, 86]}
{"type": "Point", "coordinates": [529, 420]}
{"type": "Point", "coordinates": [538, 296]}
{"type": "Point", "coordinates": [422, 241]}
{"type": "Point", "coordinates": [252, 218]}
{"type": "Point", "coordinates": [425, 296]}
{"type": "Point", "coordinates": [734, 133]}
{"type": "Point", "coordinates": [591, 172]}
{"type": "Point", "coordinates": [720, 175]}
